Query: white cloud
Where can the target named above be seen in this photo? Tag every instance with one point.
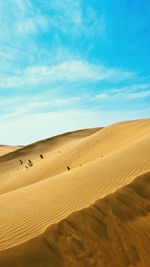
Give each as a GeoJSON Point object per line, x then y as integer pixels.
{"type": "Point", "coordinates": [70, 17]}
{"type": "Point", "coordinates": [18, 106]}
{"type": "Point", "coordinates": [129, 92]}
{"type": "Point", "coordinates": [6, 55]}
{"type": "Point", "coordinates": [22, 21]}
{"type": "Point", "coordinates": [66, 12]}
{"type": "Point", "coordinates": [22, 6]}
{"type": "Point", "coordinates": [136, 95]}
{"type": "Point", "coordinates": [32, 25]}
{"type": "Point", "coordinates": [26, 26]}
{"type": "Point", "coordinates": [131, 88]}
{"type": "Point", "coordinates": [66, 101]}
{"type": "Point", "coordinates": [94, 24]}
{"type": "Point", "coordinates": [69, 71]}
{"type": "Point", "coordinates": [101, 96]}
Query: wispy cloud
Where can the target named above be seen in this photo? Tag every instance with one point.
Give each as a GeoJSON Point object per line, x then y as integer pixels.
{"type": "Point", "coordinates": [70, 17]}
{"type": "Point", "coordinates": [66, 101]}
{"type": "Point", "coordinates": [101, 96]}
{"type": "Point", "coordinates": [130, 92]}
{"type": "Point", "coordinates": [18, 106]}
{"type": "Point", "coordinates": [32, 25]}
{"type": "Point", "coordinates": [69, 71]}
{"type": "Point", "coordinates": [136, 95]}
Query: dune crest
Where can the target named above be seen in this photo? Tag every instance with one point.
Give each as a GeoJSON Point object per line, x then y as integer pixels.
{"type": "Point", "coordinates": [5, 149]}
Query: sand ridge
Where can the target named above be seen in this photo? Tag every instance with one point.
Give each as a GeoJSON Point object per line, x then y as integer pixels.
{"type": "Point", "coordinates": [114, 231]}
{"type": "Point", "coordinates": [50, 148]}
{"type": "Point", "coordinates": [79, 152]}
{"type": "Point", "coordinates": [101, 161]}
{"type": "Point", "coordinates": [5, 149]}
{"type": "Point", "coordinates": [82, 187]}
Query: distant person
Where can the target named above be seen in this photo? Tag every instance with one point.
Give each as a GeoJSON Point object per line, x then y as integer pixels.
{"type": "Point", "coordinates": [68, 168]}
{"type": "Point", "coordinates": [21, 162]}
{"type": "Point", "coordinates": [30, 163]}
{"type": "Point", "coordinates": [41, 156]}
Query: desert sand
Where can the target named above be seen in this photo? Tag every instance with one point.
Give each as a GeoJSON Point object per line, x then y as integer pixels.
{"type": "Point", "coordinates": [85, 202]}
{"type": "Point", "coordinates": [5, 149]}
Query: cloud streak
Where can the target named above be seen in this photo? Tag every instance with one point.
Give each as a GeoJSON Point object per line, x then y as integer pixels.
{"type": "Point", "coordinates": [86, 22]}
{"type": "Point", "coordinates": [130, 92]}
{"type": "Point", "coordinates": [69, 71]}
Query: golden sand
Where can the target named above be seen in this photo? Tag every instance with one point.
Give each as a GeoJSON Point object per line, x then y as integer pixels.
{"type": "Point", "coordinates": [91, 215]}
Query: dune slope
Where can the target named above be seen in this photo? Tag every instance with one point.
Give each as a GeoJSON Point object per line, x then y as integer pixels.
{"type": "Point", "coordinates": [41, 197]}
{"type": "Point", "coordinates": [113, 232]}
{"type": "Point", "coordinates": [51, 144]}
{"type": "Point", "coordinates": [11, 169]}
{"type": "Point", "coordinates": [4, 149]}
{"type": "Point", "coordinates": [97, 145]}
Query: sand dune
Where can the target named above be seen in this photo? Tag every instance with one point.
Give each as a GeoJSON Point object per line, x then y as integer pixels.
{"type": "Point", "coordinates": [79, 152]}
{"type": "Point", "coordinates": [113, 232]}
{"type": "Point", "coordinates": [4, 149]}
{"type": "Point", "coordinates": [101, 161]}
{"type": "Point", "coordinates": [10, 167]}
{"type": "Point", "coordinates": [48, 145]}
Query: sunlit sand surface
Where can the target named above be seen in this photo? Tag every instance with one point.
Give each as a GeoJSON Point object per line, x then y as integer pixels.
{"type": "Point", "coordinates": [78, 199]}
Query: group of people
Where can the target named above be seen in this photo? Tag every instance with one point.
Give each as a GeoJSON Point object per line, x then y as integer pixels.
{"type": "Point", "coordinates": [30, 163]}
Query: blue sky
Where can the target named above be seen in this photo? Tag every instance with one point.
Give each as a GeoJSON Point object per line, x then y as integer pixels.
{"type": "Point", "coordinates": [70, 64]}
